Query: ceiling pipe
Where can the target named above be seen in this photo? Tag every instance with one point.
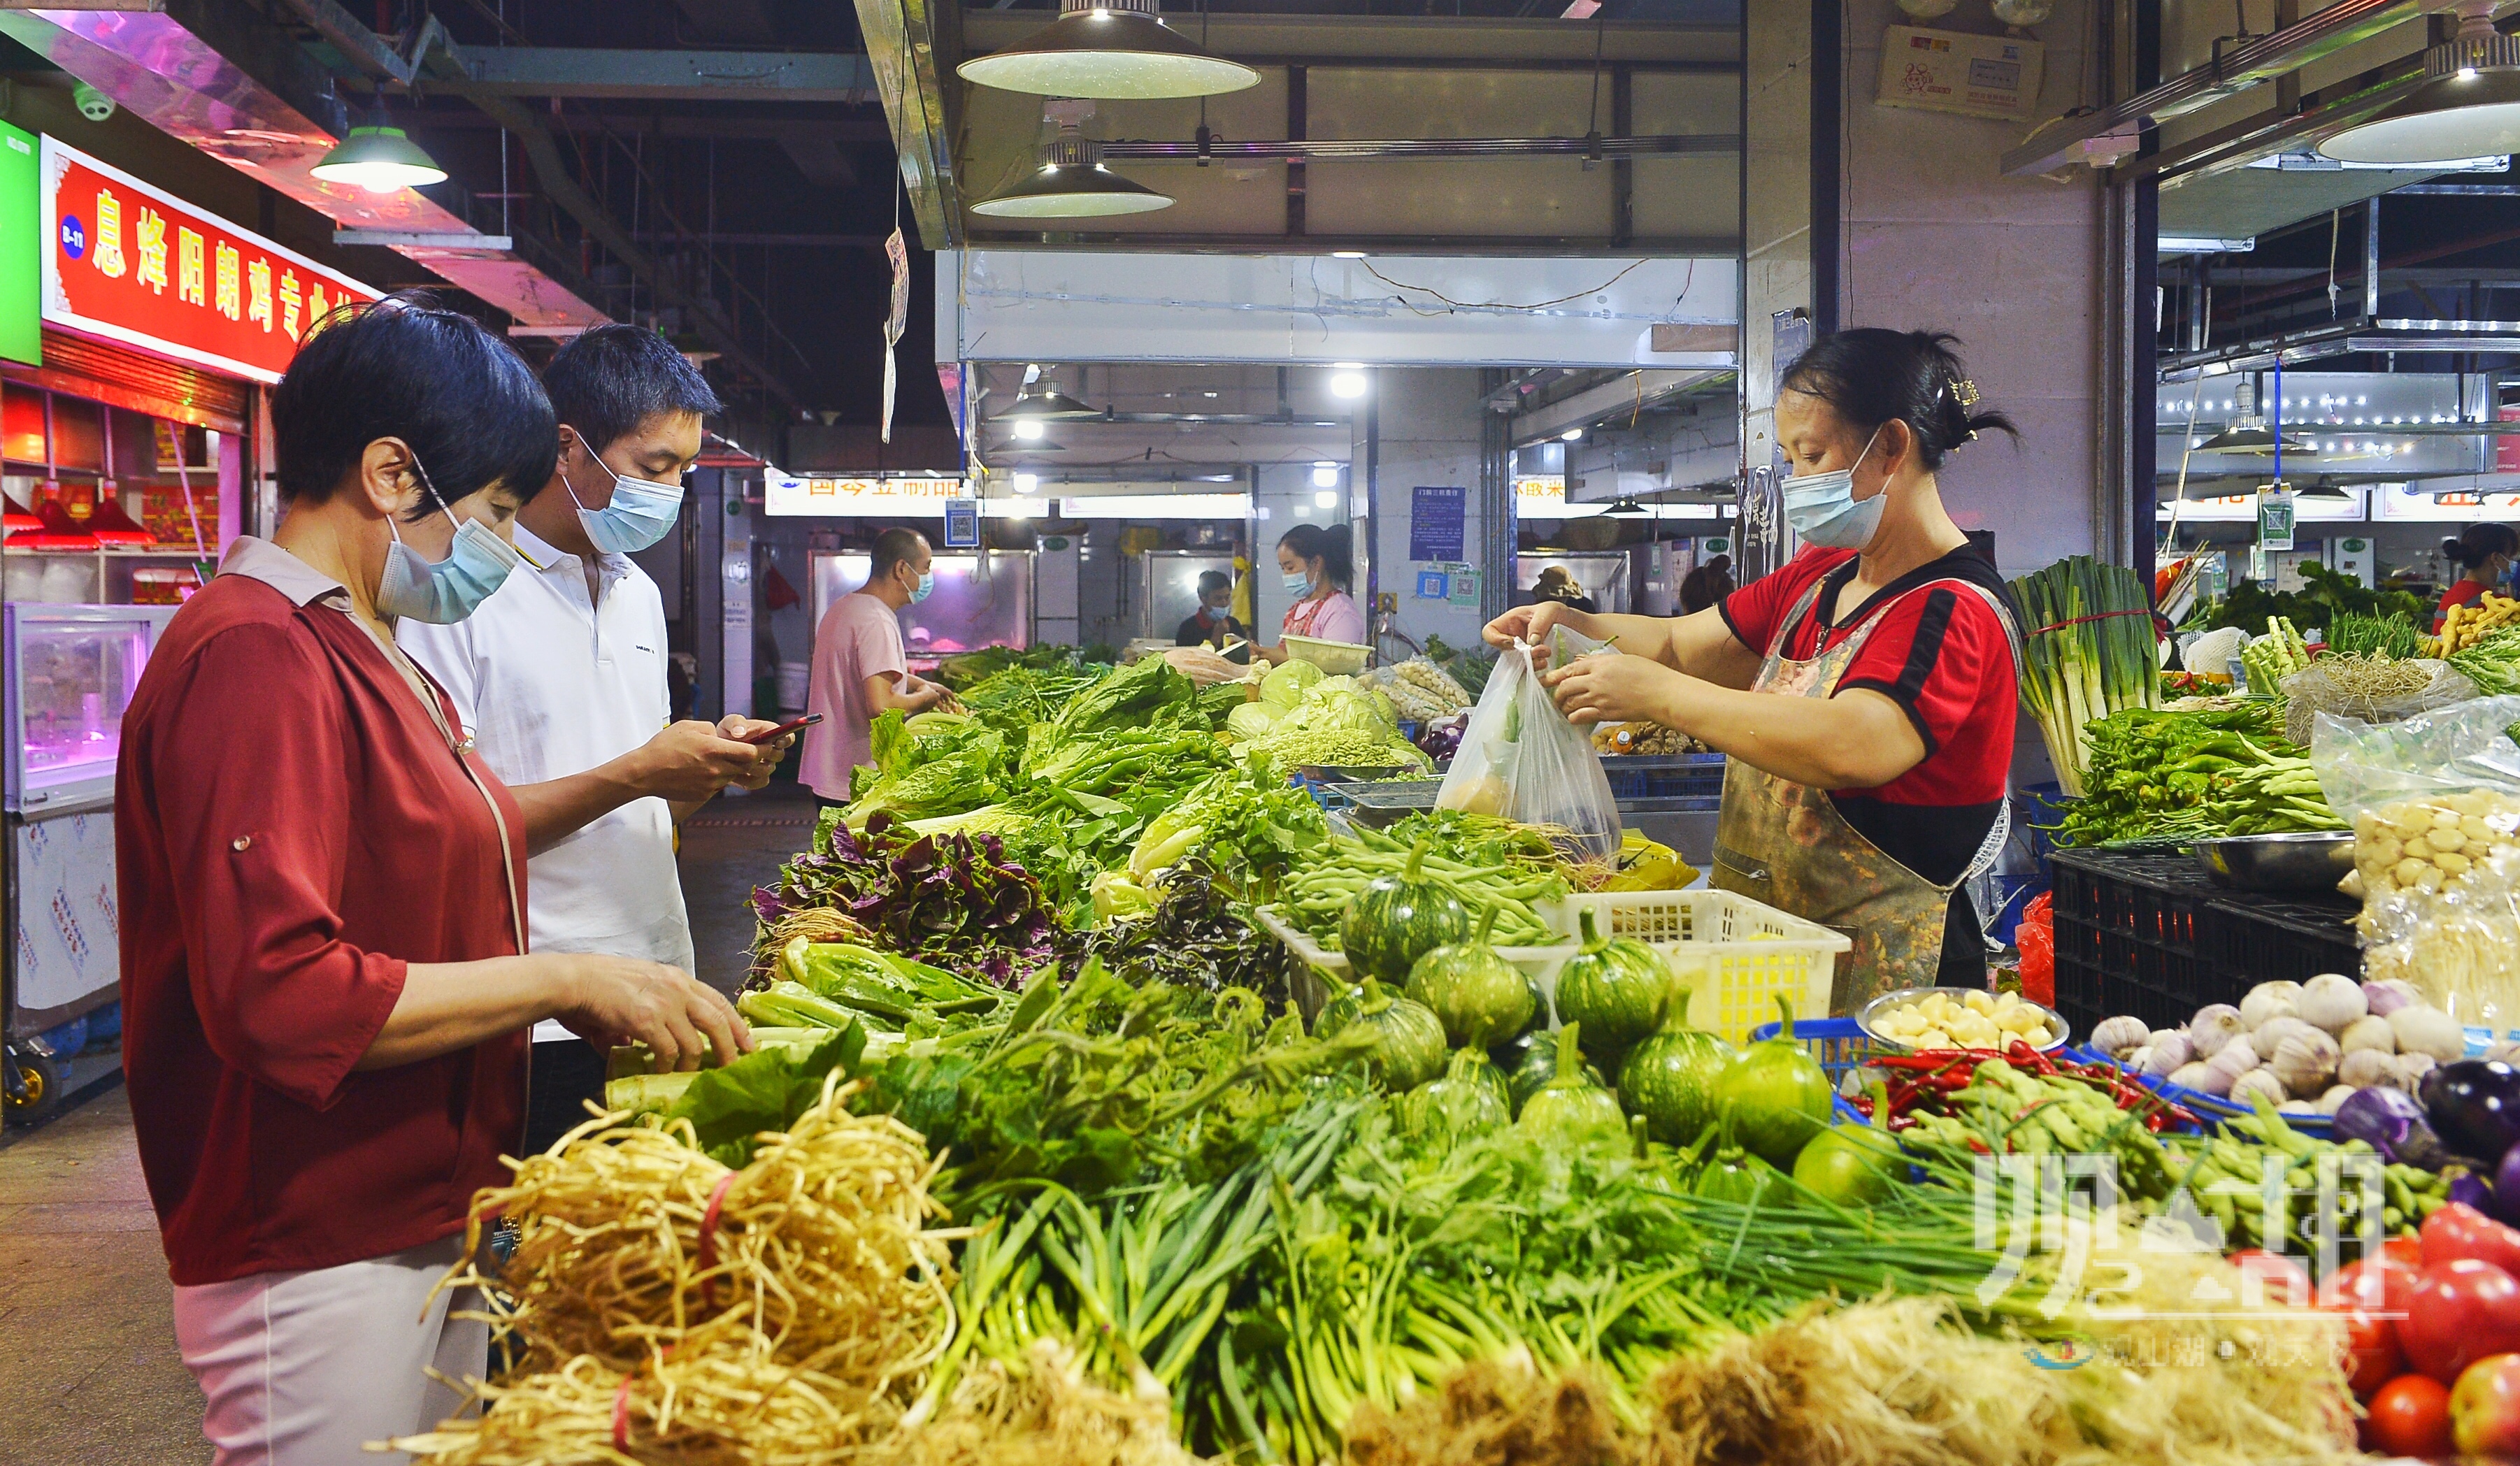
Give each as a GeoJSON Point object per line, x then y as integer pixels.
{"type": "Point", "coordinates": [1365, 149]}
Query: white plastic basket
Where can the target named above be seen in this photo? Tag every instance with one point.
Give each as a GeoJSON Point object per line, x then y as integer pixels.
{"type": "Point", "coordinates": [1734, 955]}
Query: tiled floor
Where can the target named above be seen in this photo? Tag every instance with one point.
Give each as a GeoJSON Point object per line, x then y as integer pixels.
{"type": "Point", "coordinates": [88, 1343]}
{"type": "Point", "coordinates": [88, 1371]}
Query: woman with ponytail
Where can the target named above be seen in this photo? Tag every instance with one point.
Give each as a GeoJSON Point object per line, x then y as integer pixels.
{"type": "Point", "coordinates": [2482, 553]}
{"type": "Point", "coordinates": [1865, 691]}
{"type": "Point", "coordinates": [1318, 572]}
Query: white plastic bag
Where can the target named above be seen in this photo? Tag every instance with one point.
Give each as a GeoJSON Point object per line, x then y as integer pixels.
{"type": "Point", "coordinates": [1521, 759]}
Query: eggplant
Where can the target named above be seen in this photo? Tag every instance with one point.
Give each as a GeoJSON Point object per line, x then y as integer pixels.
{"type": "Point", "coordinates": [2505, 1206]}
{"type": "Point", "coordinates": [2475, 1107]}
{"type": "Point", "coordinates": [2392, 1123]}
{"type": "Point", "coordinates": [2467, 1191]}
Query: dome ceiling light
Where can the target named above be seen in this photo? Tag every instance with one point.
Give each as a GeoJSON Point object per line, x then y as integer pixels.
{"type": "Point", "coordinates": [1114, 49]}
{"type": "Point", "coordinates": [2469, 105]}
{"type": "Point", "coordinates": [1072, 183]}
{"type": "Point", "coordinates": [379, 158]}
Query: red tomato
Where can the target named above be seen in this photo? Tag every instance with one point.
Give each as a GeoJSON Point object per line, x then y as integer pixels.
{"type": "Point", "coordinates": [2459, 1230]}
{"type": "Point", "coordinates": [2461, 1312]}
{"type": "Point", "coordinates": [2405, 1250]}
{"type": "Point", "coordinates": [2409, 1417]}
{"type": "Point", "coordinates": [2285, 1282]}
{"type": "Point", "coordinates": [2372, 1345]}
{"type": "Point", "coordinates": [2485, 1407]}
{"type": "Point", "coordinates": [2379, 1285]}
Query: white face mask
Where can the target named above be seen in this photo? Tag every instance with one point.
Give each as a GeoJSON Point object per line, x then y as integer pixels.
{"type": "Point", "coordinates": [1823, 511]}
{"type": "Point", "coordinates": [640, 512]}
{"type": "Point", "coordinates": [444, 592]}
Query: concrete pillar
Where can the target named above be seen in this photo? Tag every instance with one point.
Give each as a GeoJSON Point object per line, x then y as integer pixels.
{"type": "Point", "coordinates": [1936, 238]}
{"type": "Point", "coordinates": [1433, 432]}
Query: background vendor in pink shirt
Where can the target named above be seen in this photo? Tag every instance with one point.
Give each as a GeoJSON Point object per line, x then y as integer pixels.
{"type": "Point", "coordinates": [860, 670]}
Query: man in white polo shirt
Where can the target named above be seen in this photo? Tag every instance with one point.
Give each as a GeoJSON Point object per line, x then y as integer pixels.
{"type": "Point", "coordinates": [559, 679]}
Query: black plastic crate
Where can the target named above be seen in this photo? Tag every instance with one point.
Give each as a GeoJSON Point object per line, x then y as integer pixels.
{"type": "Point", "coordinates": [2257, 938]}
{"type": "Point", "coordinates": [2133, 935]}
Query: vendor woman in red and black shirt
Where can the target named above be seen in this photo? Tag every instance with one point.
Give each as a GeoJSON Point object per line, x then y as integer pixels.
{"type": "Point", "coordinates": [1865, 691]}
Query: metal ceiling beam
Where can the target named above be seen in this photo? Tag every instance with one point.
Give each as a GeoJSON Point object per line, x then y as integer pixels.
{"type": "Point", "coordinates": [2247, 66]}
{"type": "Point", "coordinates": [1628, 391]}
{"type": "Point", "coordinates": [1341, 148]}
{"type": "Point", "coordinates": [247, 94]}
{"type": "Point", "coordinates": [432, 58]}
{"type": "Point", "coordinates": [912, 45]}
{"type": "Point", "coordinates": [664, 76]}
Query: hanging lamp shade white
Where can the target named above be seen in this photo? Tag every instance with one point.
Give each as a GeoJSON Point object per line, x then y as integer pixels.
{"type": "Point", "coordinates": [1072, 183]}
{"type": "Point", "coordinates": [379, 158]}
{"type": "Point", "coordinates": [1115, 49]}
{"type": "Point", "coordinates": [2467, 107]}
{"type": "Point", "coordinates": [1048, 405]}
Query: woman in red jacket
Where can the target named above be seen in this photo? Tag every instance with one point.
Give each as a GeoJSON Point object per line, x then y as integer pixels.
{"type": "Point", "coordinates": [2484, 554]}
{"type": "Point", "coordinates": [325, 993]}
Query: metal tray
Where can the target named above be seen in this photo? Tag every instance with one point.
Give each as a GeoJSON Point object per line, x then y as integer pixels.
{"type": "Point", "coordinates": [2279, 863]}
{"type": "Point", "coordinates": [1864, 1017]}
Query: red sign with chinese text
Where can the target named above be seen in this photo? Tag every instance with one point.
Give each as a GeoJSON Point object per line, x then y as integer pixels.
{"type": "Point", "coordinates": [130, 263]}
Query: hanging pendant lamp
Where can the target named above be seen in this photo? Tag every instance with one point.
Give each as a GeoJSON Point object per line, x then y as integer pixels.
{"type": "Point", "coordinates": [1072, 183]}
{"type": "Point", "coordinates": [2469, 105]}
{"type": "Point", "coordinates": [379, 158]}
{"type": "Point", "coordinates": [1114, 49]}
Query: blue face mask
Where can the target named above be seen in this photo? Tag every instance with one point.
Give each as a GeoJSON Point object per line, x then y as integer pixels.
{"type": "Point", "coordinates": [926, 587]}
{"type": "Point", "coordinates": [444, 592]}
{"type": "Point", "coordinates": [1823, 511]}
{"type": "Point", "coordinates": [1298, 583]}
{"type": "Point", "coordinates": [640, 513]}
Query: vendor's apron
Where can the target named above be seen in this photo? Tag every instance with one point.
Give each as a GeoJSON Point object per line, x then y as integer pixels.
{"type": "Point", "coordinates": [1786, 843]}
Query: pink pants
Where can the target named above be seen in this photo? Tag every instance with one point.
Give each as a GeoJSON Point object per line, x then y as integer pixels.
{"type": "Point", "coordinates": [305, 1368]}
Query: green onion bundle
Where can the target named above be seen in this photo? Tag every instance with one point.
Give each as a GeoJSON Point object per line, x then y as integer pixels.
{"type": "Point", "coordinates": [2088, 650]}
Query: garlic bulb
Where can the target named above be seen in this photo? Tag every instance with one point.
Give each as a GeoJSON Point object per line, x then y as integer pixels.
{"type": "Point", "coordinates": [2331, 1000]}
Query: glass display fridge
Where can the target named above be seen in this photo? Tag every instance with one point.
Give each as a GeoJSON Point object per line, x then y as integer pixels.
{"type": "Point", "coordinates": [72, 670]}
{"type": "Point", "coordinates": [979, 601]}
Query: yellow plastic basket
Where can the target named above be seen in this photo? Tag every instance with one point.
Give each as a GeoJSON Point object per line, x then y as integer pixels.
{"type": "Point", "coordinates": [1734, 955]}
{"type": "Point", "coordinates": [1326, 970]}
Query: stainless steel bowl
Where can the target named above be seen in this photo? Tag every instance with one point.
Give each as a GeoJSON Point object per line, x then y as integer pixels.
{"type": "Point", "coordinates": [1864, 1017]}
{"type": "Point", "coordinates": [2279, 863]}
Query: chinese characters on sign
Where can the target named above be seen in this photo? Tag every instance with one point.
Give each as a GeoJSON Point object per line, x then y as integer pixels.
{"type": "Point", "coordinates": [131, 263]}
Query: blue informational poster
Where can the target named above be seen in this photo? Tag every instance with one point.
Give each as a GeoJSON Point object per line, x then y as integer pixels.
{"type": "Point", "coordinates": [1436, 518]}
{"type": "Point", "coordinates": [962, 524]}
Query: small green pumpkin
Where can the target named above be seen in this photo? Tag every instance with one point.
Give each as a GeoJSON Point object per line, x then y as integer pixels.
{"type": "Point", "coordinates": [1468, 1099]}
{"type": "Point", "coordinates": [1571, 1113]}
{"type": "Point", "coordinates": [1396, 919]}
{"type": "Point", "coordinates": [1614, 988]}
{"type": "Point", "coordinates": [1529, 1062]}
{"type": "Point", "coordinates": [1776, 1094]}
{"type": "Point", "coordinates": [1408, 1041]}
{"type": "Point", "coordinates": [1480, 997]}
{"type": "Point", "coordinates": [1670, 1077]}
{"type": "Point", "coordinates": [1854, 1165]}
{"type": "Point", "coordinates": [1340, 1012]}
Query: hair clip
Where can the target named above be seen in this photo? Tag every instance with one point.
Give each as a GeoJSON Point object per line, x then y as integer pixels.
{"type": "Point", "coordinates": [1964, 392]}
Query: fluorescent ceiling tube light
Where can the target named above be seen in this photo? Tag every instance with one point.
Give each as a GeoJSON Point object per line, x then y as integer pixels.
{"type": "Point", "coordinates": [1327, 499]}
{"type": "Point", "coordinates": [2177, 244]}
{"type": "Point", "coordinates": [1071, 183]}
{"type": "Point", "coordinates": [2469, 105]}
{"type": "Point", "coordinates": [379, 158]}
{"type": "Point", "coordinates": [1347, 381]}
{"type": "Point", "coordinates": [1325, 476]}
{"type": "Point", "coordinates": [1115, 49]}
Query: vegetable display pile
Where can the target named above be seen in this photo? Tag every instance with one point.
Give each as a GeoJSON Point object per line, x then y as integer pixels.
{"type": "Point", "coordinates": [1039, 1161]}
{"type": "Point", "coordinates": [2159, 776]}
{"type": "Point", "coordinates": [2086, 652]}
{"type": "Point", "coordinates": [2465, 626]}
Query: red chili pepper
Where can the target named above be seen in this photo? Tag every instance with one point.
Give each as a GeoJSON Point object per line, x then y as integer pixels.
{"type": "Point", "coordinates": [2021, 1054]}
{"type": "Point", "coordinates": [1900, 1123]}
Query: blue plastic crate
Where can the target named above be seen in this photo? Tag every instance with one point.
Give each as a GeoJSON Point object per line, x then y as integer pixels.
{"type": "Point", "coordinates": [2209, 1111]}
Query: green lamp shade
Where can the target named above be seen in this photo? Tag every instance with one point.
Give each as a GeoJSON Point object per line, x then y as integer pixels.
{"type": "Point", "coordinates": [380, 160]}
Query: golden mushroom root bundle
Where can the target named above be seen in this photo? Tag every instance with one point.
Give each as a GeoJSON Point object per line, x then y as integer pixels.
{"type": "Point", "coordinates": [629, 1240]}
{"type": "Point", "coordinates": [727, 1403]}
{"type": "Point", "coordinates": [2440, 881]}
{"type": "Point", "coordinates": [1040, 1410]}
{"type": "Point", "coordinates": [816, 923]}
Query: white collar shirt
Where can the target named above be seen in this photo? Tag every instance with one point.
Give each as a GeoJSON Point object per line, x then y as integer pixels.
{"type": "Point", "coordinates": [551, 685]}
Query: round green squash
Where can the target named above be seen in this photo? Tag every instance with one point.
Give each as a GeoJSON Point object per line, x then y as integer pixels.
{"type": "Point", "coordinates": [1776, 1094]}
{"type": "Point", "coordinates": [1479, 996]}
{"type": "Point", "coordinates": [1529, 1062]}
{"type": "Point", "coordinates": [1468, 1099]}
{"type": "Point", "coordinates": [1408, 1041]}
{"type": "Point", "coordinates": [1571, 1113]}
{"type": "Point", "coordinates": [1398, 918]}
{"type": "Point", "coordinates": [1614, 988]}
{"type": "Point", "coordinates": [1670, 1077]}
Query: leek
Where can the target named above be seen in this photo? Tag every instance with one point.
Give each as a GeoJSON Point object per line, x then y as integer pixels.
{"type": "Point", "coordinates": [2088, 650]}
